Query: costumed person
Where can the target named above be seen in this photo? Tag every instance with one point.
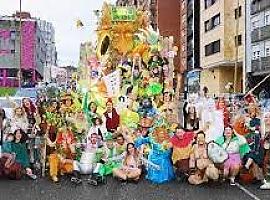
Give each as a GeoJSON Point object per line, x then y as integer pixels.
{"type": "Point", "coordinates": [201, 166]}
{"type": "Point", "coordinates": [111, 160]}
{"type": "Point", "coordinates": [29, 109]}
{"type": "Point", "coordinates": [236, 147]}
{"type": "Point", "coordinates": [62, 161]}
{"type": "Point", "coordinates": [17, 147]}
{"type": "Point", "coordinates": [240, 126]}
{"type": "Point", "coordinates": [221, 105]}
{"type": "Point", "coordinates": [80, 125]}
{"type": "Point", "coordinates": [4, 125]}
{"type": "Point", "coordinates": [146, 108]}
{"type": "Point", "coordinates": [159, 155]}
{"type": "Point", "coordinates": [67, 105]}
{"type": "Point", "coordinates": [8, 167]}
{"type": "Point", "coordinates": [120, 144]}
{"type": "Point", "coordinates": [19, 120]}
{"type": "Point", "coordinates": [266, 136]}
{"type": "Point", "coordinates": [108, 69]}
{"type": "Point", "coordinates": [181, 144]}
{"type": "Point", "coordinates": [111, 117]}
{"type": "Point", "coordinates": [212, 121]}
{"type": "Point", "coordinates": [137, 67]}
{"type": "Point", "coordinates": [89, 109]}
{"type": "Point", "coordinates": [98, 127]}
{"type": "Point", "coordinates": [254, 159]}
{"type": "Point", "coordinates": [192, 118]}
{"type": "Point", "coordinates": [86, 163]}
{"type": "Point", "coordinates": [131, 167]}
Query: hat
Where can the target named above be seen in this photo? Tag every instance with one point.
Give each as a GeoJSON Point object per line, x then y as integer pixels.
{"type": "Point", "coordinates": [108, 136]}
{"type": "Point", "coordinates": [109, 100]}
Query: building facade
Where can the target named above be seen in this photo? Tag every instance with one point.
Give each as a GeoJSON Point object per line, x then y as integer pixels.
{"type": "Point", "coordinates": [222, 47]}
{"type": "Point", "coordinates": [258, 43]}
{"type": "Point", "coordinates": [30, 56]}
{"type": "Point", "coordinates": [190, 44]}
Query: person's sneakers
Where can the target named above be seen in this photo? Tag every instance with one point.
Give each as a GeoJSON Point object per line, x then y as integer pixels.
{"type": "Point", "coordinates": [265, 186]}
{"type": "Point", "coordinates": [92, 182]}
{"type": "Point", "coordinates": [75, 180]}
{"type": "Point", "coordinates": [55, 179]}
{"type": "Point", "coordinates": [32, 176]}
{"type": "Point", "coordinates": [232, 181]}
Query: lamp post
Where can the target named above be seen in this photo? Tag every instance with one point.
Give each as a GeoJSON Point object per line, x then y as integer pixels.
{"type": "Point", "coordinates": [20, 64]}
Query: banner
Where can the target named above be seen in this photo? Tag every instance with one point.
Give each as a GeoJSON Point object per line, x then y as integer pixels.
{"type": "Point", "coordinates": [113, 83]}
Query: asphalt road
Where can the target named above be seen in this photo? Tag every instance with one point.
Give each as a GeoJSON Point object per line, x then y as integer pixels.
{"type": "Point", "coordinates": [44, 189]}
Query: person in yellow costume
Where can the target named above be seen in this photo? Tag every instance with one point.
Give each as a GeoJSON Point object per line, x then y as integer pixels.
{"type": "Point", "coordinates": [62, 160]}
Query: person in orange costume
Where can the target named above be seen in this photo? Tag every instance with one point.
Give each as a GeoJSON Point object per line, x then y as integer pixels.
{"type": "Point", "coordinates": [62, 160]}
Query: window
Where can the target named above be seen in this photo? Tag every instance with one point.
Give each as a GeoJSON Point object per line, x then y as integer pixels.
{"type": "Point", "coordinates": [216, 20]}
{"type": "Point", "coordinates": [238, 12]}
{"type": "Point", "coordinates": [13, 35]}
{"type": "Point", "coordinates": [256, 55]}
{"type": "Point", "coordinates": [12, 45]}
{"type": "Point", "coordinates": [267, 20]}
{"type": "Point", "coordinates": [12, 73]}
{"type": "Point", "coordinates": [255, 24]}
{"type": "Point", "coordinates": [212, 23]}
{"type": "Point", "coordinates": [208, 3]}
{"type": "Point", "coordinates": [267, 51]}
{"type": "Point", "coordinates": [238, 40]}
{"type": "Point", "coordinates": [267, 48]}
{"type": "Point", "coordinates": [212, 48]}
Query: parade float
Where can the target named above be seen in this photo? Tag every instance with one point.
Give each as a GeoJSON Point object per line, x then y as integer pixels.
{"type": "Point", "coordinates": [128, 54]}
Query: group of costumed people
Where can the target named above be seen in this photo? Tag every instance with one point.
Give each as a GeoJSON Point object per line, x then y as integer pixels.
{"type": "Point", "coordinates": [127, 142]}
{"type": "Point", "coordinates": [125, 122]}
{"type": "Point", "coordinates": [233, 141]}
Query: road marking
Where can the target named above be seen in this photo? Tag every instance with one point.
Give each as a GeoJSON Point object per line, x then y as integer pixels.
{"type": "Point", "coordinates": [253, 196]}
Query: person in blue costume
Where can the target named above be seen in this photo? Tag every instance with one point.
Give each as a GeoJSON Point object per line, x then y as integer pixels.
{"type": "Point", "coordinates": [146, 108]}
{"type": "Point", "coordinates": [161, 168]}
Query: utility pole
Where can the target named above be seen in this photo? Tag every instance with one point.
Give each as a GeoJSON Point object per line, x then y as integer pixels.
{"type": "Point", "coordinates": [20, 65]}
{"type": "Point", "coordinates": [236, 46]}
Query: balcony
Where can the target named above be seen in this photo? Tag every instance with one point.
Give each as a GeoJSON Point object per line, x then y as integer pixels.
{"type": "Point", "coordinates": [261, 65]}
{"type": "Point", "coordinates": [258, 6]}
{"type": "Point", "coordinates": [260, 34]}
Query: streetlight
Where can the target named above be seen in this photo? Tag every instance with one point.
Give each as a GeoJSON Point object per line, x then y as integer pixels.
{"type": "Point", "coordinates": [20, 65]}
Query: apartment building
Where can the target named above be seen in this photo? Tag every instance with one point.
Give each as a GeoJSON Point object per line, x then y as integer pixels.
{"type": "Point", "coordinates": [30, 56]}
{"type": "Point", "coordinates": [222, 46]}
{"type": "Point", "coordinates": [258, 43]}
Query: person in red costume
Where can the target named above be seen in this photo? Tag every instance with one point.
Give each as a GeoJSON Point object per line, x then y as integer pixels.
{"type": "Point", "coordinates": [181, 143]}
{"type": "Point", "coordinates": [111, 117]}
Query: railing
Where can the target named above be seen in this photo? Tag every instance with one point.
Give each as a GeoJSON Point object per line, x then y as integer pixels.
{"type": "Point", "coordinates": [259, 6]}
{"type": "Point", "coordinates": [260, 34]}
{"type": "Point", "coordinates": [261, 65]}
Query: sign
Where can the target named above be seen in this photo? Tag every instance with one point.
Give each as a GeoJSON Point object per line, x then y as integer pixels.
{"type": "Point", "coordinates": [123, 13]}
{"type": "Point", "coordinates": [113, 83]}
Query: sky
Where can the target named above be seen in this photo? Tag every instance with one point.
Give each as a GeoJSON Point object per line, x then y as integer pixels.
{"type": "Point", "coordinates": [63, 14]}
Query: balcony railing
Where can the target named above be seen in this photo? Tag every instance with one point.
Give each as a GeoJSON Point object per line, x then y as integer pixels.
{"type": "Point", "coordinates": [258, 6]}
{"type": "Point", "coordinates": [260, 34]}
{"type": "Point", "coordinates": [261, 65]}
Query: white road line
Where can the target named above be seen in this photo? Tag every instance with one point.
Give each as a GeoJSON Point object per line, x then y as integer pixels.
{"type": "Point", "coordinates": [253, 196]}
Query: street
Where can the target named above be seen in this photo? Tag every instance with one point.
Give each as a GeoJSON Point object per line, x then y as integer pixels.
{"type": "Point", "coordinates": [44, 189]}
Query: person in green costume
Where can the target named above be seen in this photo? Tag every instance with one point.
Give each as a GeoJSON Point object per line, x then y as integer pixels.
{"type": "Point", "coordinates": [17, 147]}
